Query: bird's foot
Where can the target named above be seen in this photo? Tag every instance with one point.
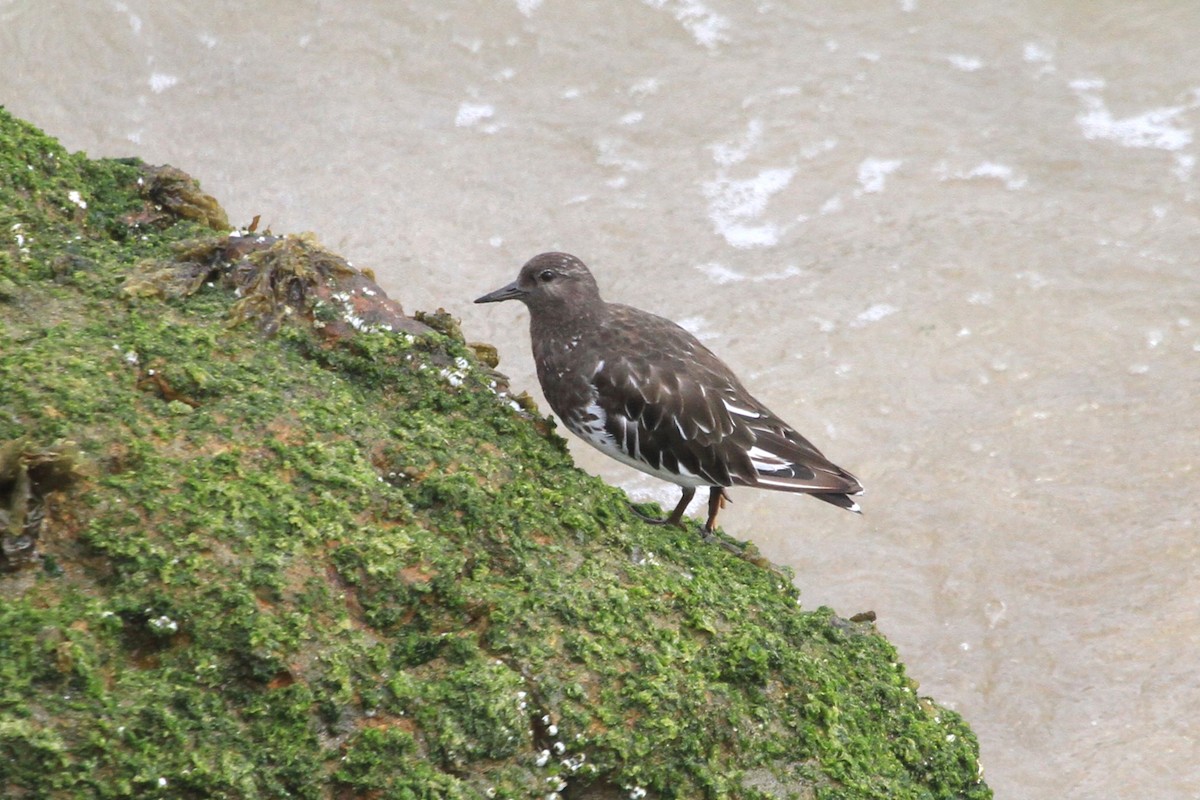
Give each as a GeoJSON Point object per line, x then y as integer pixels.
{"type": "Point", "coordinates": [711, 537]}
{"type": "Point", "coordinates": [656, 520]}
{"type": "Point", "coordinates": [676, 517]}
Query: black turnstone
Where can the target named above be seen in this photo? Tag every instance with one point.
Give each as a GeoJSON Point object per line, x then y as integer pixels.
{"type": "Point", "coordinates": [644, 391]}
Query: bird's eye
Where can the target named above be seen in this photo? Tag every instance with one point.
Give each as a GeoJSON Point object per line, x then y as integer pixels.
{"type": "Point", "coordinates": [546, 275]}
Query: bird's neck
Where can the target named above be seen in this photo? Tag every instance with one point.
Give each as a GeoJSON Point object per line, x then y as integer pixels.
{"type": "Point", "coordinates": [556, 331]}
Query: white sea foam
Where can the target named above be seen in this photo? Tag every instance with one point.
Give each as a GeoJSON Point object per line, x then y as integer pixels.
{"type": "Point", "coordinates": [873, 172]}
{"type": "Point", "coordinates": [821, 147]}
{"type": "Point", "coordinates": [1185, 164]}
{"type": "Point", "coordinates": [1034, 53]}
{"type": "Point", "coordinates": [729, 153]}
{"type": "Point", "coordinates": [135, 22]}
{"type": "Point", "coordinates": [983, 170]}
{"type": "Point", "coordinates": [1032, 279]}
{"type": "Point", "coordinates": [720, 274]}
{"type": "Point", "coordinates": [873, 314]}
{"type": "Point", "coordinates": [965, 63]}
{"type": "Point", "coordinates": [160, 82]}
{"type": "Point", "coordinates": [706, 26]}
{"type": "Point", "coordinates": [786, 272]}
{"type": "Point", "coordinates": [734, 206]}
{"type": "Point", "coordinates": [1156, 128]}
{"type": "Point", "coordinates": [471, 114]}
{"type": "Point", "coordinates": [645, 86]}
{"type": "Point", "coordinates": [610, 156]}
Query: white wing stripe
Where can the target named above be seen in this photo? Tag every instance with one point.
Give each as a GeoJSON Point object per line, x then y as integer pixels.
{"type": "Point", "coordinates": [741, 412]}
{"type": "Point", "coordinates": [792, 485]}
{"type": "Point", "coordinates": [766, 461]}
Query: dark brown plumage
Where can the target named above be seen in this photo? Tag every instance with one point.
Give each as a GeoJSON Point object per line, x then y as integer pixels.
{"type": "Point", "coordinates": [646, 392]}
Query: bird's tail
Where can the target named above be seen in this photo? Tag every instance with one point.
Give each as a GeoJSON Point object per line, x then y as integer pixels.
{"type": "Point", "coordinates": [841, 501]}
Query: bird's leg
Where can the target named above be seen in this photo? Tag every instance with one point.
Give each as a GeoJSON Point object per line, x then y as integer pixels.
{"type": "Point", "coordinates": [717, 497]}
{"type": "Point", "coordinates": [676, 517]}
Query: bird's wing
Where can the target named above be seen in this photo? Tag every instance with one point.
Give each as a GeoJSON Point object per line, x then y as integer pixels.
{"type": "Point", "coordinates": [676, 406]}
{"type": "Point", "coordinates": [780, 458]}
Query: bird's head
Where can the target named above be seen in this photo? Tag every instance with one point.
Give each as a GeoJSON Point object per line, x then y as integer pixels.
{"type": "Point", "coordinates": [551, 282]}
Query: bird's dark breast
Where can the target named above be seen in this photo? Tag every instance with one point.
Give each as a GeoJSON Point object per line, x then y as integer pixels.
{"type": "Point", "coordinates": [564, 375]}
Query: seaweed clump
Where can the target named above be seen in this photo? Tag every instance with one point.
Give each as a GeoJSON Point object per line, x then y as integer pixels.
{"type": "Point", "coordinates": [275, 277]}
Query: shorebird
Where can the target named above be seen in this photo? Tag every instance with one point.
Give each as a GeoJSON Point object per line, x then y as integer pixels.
{"type": "Point", "coordinates": [646, 392]}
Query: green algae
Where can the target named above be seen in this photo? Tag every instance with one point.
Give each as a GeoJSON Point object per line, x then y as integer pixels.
{"type": "Point", "coordinates": [297, 566]}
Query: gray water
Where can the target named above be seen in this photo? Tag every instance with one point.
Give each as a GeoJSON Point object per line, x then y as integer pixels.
{"type": "Point", "coordinates": [955, 244]}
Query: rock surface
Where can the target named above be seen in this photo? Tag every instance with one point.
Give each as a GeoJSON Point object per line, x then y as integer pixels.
{"type": "Point", "coordinates": [267, 536]}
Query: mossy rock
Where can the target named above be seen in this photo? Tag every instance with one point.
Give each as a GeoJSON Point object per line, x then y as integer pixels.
{"type": "Point", "coordinates": [328, 558]}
